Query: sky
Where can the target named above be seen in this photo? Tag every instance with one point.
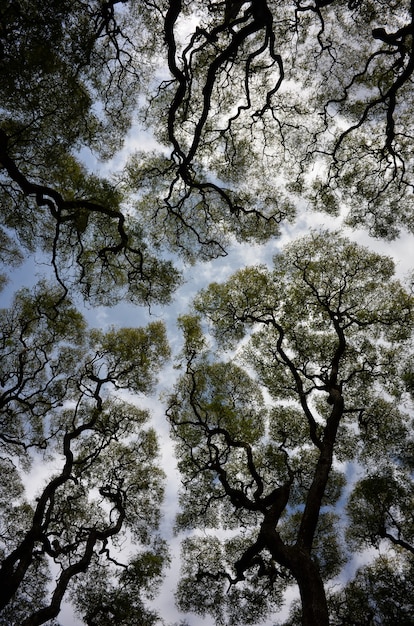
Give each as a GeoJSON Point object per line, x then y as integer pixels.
{"type": "Point", "coordinates": [195, 278]}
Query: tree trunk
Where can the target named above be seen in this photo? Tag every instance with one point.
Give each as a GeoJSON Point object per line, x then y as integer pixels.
{"type": "Point", "coordinates": [312, 593]}
{"type": "Point", "coordinates": [305, 571]}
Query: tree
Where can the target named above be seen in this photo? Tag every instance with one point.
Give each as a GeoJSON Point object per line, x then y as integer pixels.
{"type": "Point", "coordinates": [240, 148]}
{"type": "Point", "coordinates": [380, 510]}
{"type": "Point", "coordinates": [381, 593]}
{"type": "Point", "coordinates": [272, 102]}
{"type": "Point", "coordinates": [59, 406]}
{"type": "Point", "coordinates": [322, 334]}
{"type": "Point", "coordinates": [69, 82]}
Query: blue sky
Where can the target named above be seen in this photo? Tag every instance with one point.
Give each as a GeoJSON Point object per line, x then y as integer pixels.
{"type": "Point", "coordinates": [195, 278]}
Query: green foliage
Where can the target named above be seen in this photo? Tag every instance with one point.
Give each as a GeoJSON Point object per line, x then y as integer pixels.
{"type": "Point", "coordinates": [381, 594]}
{"type": "Point", "coordinates": [59, 401]}
{"type": "Point", "coordinates": [217, 413]}
{"type": "Point", "coordinates": [215, 593]}
{"type": "Point", "coordinates": [101, 601]}
{"type": "Point", "coordinates": [29, 598]}
{"type": "Point", "coordinates": [242, 127]}
{"type": "Point", "coordinates": [200, 220]}
{"type": "Point", "coordinates": [42, 341]}
{"type": "Point", "coordinates": [327, 548]}
{"type": "Point", "coordinates": [132, 356]}
{"type": "Point", "coordinates": [258, 108]}
{"type": "Point", "coordinates": [69, 82]}
{"type": "Point", "coordinates": [321, 334]}
{"type": "Point", "coordinates": [265, 106]}
{"type": "Point", "coordinates": [380, 507]}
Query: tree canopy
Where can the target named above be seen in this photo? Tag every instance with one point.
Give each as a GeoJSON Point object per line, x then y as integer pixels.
{"type": "Point", "coordinates": [58, 407]}
{"type": "Point", "coordinates": [272, 102]}
{"type": "Point", "coordinates": [264, 104]}
{"type": "Point", "coordinates": [325, 334]}
{"type": "Point", "coordinates": [70, 81]}
{"type": "Point", "coordinates": [293, 413]}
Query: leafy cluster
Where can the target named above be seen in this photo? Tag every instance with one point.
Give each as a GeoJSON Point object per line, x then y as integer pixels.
{"type": "Point", "coordinates": [101, 461]}
{"type": "Point", "coordinates": [269, 102]}
{"type": "Point", "coordinates": [56, 403]}
{"type": "Point", "coordinates": [70, 82]}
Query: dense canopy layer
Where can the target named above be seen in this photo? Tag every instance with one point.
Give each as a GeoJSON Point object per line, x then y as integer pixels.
{"type": "Point", "coordinates": [138, 133]}
{"type": "Point", "coordinates": [326, 334]}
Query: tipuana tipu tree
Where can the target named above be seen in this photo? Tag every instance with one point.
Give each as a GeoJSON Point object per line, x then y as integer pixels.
{"type": "Point", "coordinates": [255, 105]}
{"type": "Point", "coordinates": [324, 334]}
{"type": "Point", "coordinates": [71, 75]}
{"type": "Point", "coordinates": [256, 95]}
{"type": "Point", "coordinates": [269, 102]}
{"type": "Point", "coordinates": [61, 410]}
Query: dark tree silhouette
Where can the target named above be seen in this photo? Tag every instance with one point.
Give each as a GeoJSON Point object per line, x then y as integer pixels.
{"type": "Point", "coordinates": [56, 408]}
{"type": "Point", "coordinates": [325, 331]}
